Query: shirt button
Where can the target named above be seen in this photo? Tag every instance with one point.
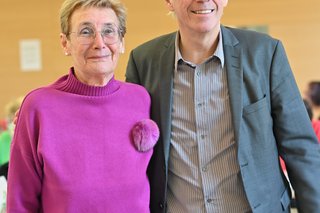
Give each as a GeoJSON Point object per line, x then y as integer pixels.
{"type": "Point", "coordinates": [204, 169]}
{"type": "Point", "coordinates": [209, 200]}
{"type": "Point", "coordinates": [198, 73]}
{"type": "Point", "coordinates": [202, 136]}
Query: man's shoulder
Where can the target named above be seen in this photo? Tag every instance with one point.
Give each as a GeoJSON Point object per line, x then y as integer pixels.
{"type": "Point", "coordinates": [163, 40]}
{"type": "Point", "coordinates": [250, 41]}
{"type": "Point", "coordinates": [248, 36]}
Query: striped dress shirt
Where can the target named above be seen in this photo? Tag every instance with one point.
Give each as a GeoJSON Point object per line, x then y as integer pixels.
{"type": "Point", "coordinates": [204, 174]}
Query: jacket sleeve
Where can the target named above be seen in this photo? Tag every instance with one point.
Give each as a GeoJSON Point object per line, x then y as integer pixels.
{"type": "Point", "coordinates": [132, 70]}
{"type": "Point", "coordinates": [25, 170]}
{"type": "Point", "coordinates": [295, 137]}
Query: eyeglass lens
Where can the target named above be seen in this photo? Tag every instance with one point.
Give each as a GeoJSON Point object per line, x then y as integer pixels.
{"type": "Point", "coordinates": [109, 32]}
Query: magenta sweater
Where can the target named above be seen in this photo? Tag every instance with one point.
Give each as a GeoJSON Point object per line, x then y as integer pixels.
{"type": "Point", "coordinates": [72, 150]}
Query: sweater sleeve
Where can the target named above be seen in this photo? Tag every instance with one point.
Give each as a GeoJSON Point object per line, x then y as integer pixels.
{"type": "Point", "coordinates": [25, 169]}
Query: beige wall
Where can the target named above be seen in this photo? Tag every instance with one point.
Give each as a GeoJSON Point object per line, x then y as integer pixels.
{"type": "Point", "coordinates": [296, 23]}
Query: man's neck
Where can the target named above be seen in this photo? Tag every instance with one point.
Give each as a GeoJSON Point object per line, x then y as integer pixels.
{"type": "Point", "coordinates": [196, 48]}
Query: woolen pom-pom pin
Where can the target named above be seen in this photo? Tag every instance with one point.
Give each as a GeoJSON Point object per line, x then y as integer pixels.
{"type": "Point", "coordinates": [145, 134]}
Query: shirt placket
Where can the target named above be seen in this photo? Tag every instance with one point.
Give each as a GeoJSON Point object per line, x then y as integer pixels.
{"type": "Point", "coordinates": [201, 101]}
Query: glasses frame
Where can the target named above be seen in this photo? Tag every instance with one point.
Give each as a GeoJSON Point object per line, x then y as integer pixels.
{"type": "Point", "coordinates": [89, 39]}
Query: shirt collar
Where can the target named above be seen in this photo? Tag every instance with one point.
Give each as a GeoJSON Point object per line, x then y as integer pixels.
{"type": "Point", "coordinates": [218, 52]}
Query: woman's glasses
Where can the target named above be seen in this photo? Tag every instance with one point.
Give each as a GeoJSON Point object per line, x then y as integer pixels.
{"type": "Point", "coordinates": [110, 34]}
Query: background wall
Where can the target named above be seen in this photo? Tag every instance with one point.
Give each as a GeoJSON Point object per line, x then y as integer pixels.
{"type": "Point", "coordinates": [296, 23]}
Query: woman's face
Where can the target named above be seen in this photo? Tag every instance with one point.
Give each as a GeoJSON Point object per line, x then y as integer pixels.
{"type": "Point", "coordinates": [95, 57]}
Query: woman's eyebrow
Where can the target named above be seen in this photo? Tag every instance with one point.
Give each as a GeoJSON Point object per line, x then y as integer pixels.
{"type": "Point", "coordinates": [86, 24]}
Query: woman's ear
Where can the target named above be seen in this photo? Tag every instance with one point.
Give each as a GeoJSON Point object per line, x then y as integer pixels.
{"type": "Point", "coordinates": [224, 3]}
{"type": "Point", "coordinates": [122, 46]}
{"type": "Point", "coordinates": [64, 43]}
{"type": "Point", "coordinates": [169, 5]}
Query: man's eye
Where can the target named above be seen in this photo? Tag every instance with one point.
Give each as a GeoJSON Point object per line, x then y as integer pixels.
{"type": "Point", "coordinates": [86, 32]}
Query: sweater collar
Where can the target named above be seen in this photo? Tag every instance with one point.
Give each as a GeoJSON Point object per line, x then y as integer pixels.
{"type": "Point", "coordinates": [69, 83]}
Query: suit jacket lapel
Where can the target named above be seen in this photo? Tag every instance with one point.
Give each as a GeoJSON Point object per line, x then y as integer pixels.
{"type": "Point", "coordinates": [232, 52]}
{"type": "Point", "coordinates": [166, 68]}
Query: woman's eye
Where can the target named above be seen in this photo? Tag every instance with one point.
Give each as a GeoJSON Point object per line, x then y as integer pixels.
{"type": "Point", "coordinates": [108, 31]}
{"type": "Point", "coordinates": [86, 32]}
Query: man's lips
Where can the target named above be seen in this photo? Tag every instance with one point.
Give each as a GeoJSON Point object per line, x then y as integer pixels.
{"type": "Point", "coordinates": [203, 11]}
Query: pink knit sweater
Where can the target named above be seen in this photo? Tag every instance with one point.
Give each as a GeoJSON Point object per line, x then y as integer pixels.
{"type": "Point", "coordinates": [72, 151]}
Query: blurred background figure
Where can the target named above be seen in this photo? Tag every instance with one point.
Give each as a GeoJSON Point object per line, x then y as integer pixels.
{"type": "Point", "coordinates": [3, 125]}
{"type": "Point", "coordinates": [313, 103]}
{"type": "Point", "coordinates": [7, 134]}
{"type": "Point", "coordinates": [308, 108]}
{"type": "Point", "coordinates": [313, 98]}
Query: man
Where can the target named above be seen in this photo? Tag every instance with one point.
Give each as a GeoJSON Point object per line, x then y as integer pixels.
{"type": "Point", "coordinates": [227, 106]}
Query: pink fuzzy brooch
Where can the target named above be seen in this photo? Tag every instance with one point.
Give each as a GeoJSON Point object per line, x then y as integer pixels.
{"type": "Point", "coordinates": [145, 134]}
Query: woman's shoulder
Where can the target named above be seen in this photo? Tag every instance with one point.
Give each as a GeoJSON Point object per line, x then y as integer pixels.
{"type": "Point", "coordinates": [38, 94]}
{"type": "Point", "coordinates": [134, 88]}
{"type": "Point", "coordinates": [135, 91]}
{"type": "Point", "coordinates": [45, 93]}
{"type": "Point", "coordinates": [38, 97]}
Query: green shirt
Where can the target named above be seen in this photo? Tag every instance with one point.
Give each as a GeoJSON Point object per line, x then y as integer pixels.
{"type": "Point", "coordinates": [5, 141]}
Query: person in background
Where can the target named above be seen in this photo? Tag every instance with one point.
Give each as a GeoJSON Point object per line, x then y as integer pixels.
{"type": "Point", "coordinates": [312, 96]}
{"type": "Point", "coordinates": [313, 99]}
{"type": "Point", "coordinates": [6, 135]}
{"type": "Point", "coordinates": [83, 143]}
{"type": "Point", "coordinates": [315, 123]}
{"type": "Point", "coordinates": [308, 108]}
{"type": "Point", "coordinates": [3, 125]}
{"type": "Point", "coordinates": [316, 127]}
{"type": "Point", "coordinates": [228, 106]}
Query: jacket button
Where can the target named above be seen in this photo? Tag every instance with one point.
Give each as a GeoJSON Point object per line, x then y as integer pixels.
{"type": "Point", "coordinates": [161, 206]}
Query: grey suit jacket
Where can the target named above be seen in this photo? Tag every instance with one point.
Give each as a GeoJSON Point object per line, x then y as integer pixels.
{"type": "Point", "coordinates": [269, 119]}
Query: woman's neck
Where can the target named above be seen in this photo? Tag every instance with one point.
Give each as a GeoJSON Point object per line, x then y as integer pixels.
{"type": "Point", "coordinates": [96, 80]}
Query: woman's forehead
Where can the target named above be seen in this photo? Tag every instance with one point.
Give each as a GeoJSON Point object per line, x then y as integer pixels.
{"type": "Point", "coordinates": [94, 16]}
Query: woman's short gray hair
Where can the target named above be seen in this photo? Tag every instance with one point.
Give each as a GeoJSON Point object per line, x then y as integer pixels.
{"type": "Point", "coordinates": [69, 6]}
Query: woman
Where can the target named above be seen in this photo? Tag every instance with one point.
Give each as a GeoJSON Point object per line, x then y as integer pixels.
{"type": "Point", "coordinates": [73, 150]}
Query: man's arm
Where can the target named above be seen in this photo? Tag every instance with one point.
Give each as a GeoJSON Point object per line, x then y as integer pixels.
{"type": "Point", "coordinates": [132, 71]}
{"type": "Point", "coordinates": [296, 140]}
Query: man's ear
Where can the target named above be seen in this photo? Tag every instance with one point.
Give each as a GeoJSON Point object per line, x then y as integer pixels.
{"type": "Point", "coordinates": [64, 43]}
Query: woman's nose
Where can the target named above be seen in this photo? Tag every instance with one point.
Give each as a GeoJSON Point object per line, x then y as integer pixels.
{"type": "Point", "coordinates": [99, 40]}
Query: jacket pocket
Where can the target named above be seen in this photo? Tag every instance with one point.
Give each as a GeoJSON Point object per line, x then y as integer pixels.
{"type": "Point", "coordinates": [255, 106]}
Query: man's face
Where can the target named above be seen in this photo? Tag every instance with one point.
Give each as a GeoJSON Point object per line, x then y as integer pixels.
{"type": "Point", "coordinates": [197, 16]}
